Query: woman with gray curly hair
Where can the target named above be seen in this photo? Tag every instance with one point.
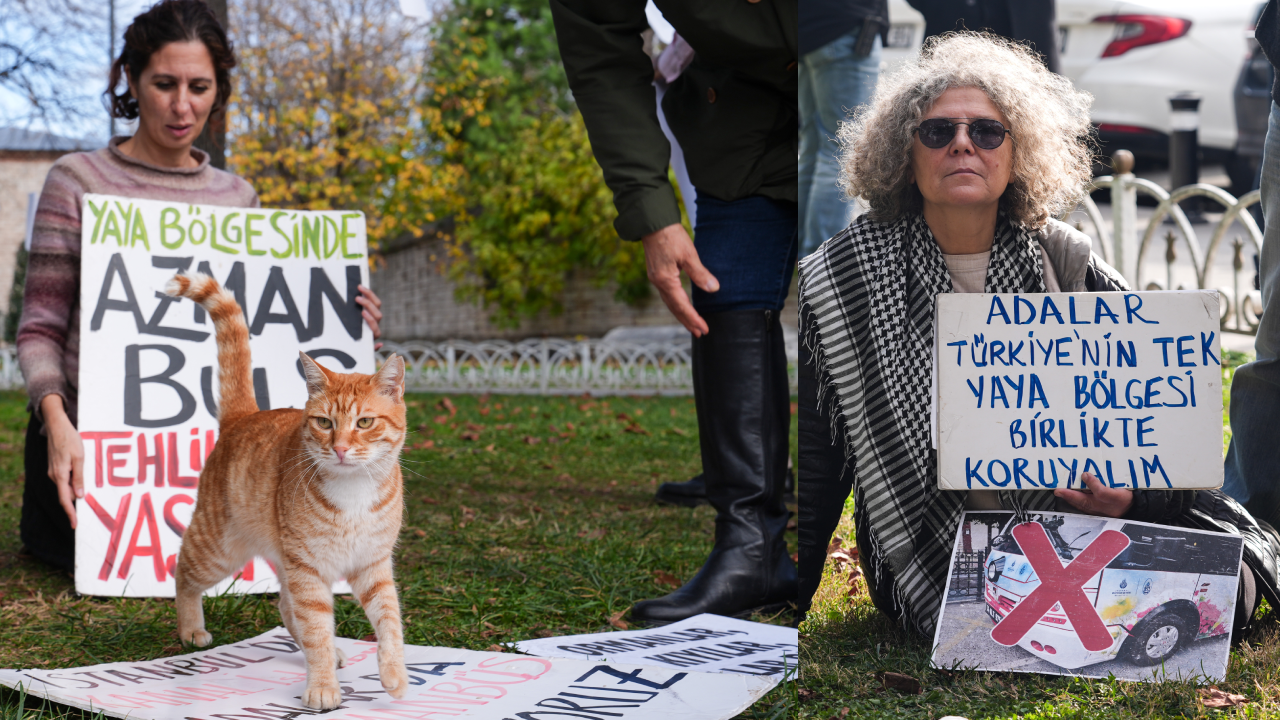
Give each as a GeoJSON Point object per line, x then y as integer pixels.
{"type": "Point", "coordinates": [963, 158]}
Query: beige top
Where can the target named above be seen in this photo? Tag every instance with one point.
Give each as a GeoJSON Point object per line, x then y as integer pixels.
{"type": "Point", "coordinates": [969, 275]}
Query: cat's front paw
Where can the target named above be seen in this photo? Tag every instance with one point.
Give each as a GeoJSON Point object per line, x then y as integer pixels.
{"type": "Point", "coordinates": [395, 679]}
{"type": "Point", "coordinates": [322, 697]}
{"type": "Point", "coordinates": [199, 638]}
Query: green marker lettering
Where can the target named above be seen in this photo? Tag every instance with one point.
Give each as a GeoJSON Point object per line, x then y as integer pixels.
{"type": "Point", "coordinates": [139, 231]}
{"type": "Point", "coordinates": [226, 236]}
{"type": "Point", "coordinates": [344, 234]}
{"type": "Point", "coordinates": [97, 221]}
{"type": "Point", "coordinates": [250, 233]}
{"type": "Point", "coordinates": [329, 251]}
{"type": "Point", "coordinates": [126, 214]}
{"type": "Point", "coordinates": [182, 234]}
{"type": "Point", "coordinates": [112, 227]}
{"type": "Point", "coordinates": [288, 246]}
{"type": "Point", "coordinates": [311, 235]}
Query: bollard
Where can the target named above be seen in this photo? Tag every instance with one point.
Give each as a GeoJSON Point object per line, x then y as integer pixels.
{"type": "Point", "coordinates": [1184, 148]}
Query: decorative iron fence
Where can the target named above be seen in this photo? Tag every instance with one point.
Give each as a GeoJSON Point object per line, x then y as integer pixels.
{"type": "Point", "coordinates": [549, 366]}
{"type": "Point", "coordinates": [1120, 244]}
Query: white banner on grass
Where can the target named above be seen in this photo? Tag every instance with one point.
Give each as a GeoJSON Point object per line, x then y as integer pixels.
{"type": "Point", "coordinates": [706, 643]}
{"type": "Point", "coordinates": [1034, 390]}
{"type": "Point", "coordinates": [264, 678]}
{"type": "Point", "coordinates": [148, 363]}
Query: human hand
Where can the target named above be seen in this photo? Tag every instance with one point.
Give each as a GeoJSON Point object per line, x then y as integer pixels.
{"type": "Point", "coordinates": [666, 253]}
{"type": "Point", "coordinates": [66, 454]}
{"type": "Point", "coordinates": [1098, 499]}
{"type": "Point", "coordinates": [372, 311]}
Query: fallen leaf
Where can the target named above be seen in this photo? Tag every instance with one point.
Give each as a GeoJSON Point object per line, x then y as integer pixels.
{"type": "Point", "coordinates": [673, 412]}
{"type": "Point", "coordinates": [596, 534]}
{"type": "Point", "coordinates": [794, 408]}
{"type": "Point", "coordinates": [662, 577]}
{"type": "Point", "coordinates": [441, 419]}
{"type": "Point", "coordinates": [489, 447]}
{"type": "Point", "coordinates": [635, 428]}
{"type": "Point", "coordinates": [430, 501]}
{"type": "Point", "coordinates": [447, 405]}
{"type": "Point", "coordinates": [679, 432]}
{"type": "Point", "coordinates": [564, 477]}
{"type": "Point", "coordinates": [624, 416]}
{"type": "Point", "coordinates": [836, 544]}
{"type": "Point", "coordinates": [844, 713]}
{"type": "Point", "coordinates": [1212, 697]}
{"type": "Point", "coordinates": [490, 625]}
{"type": "Point", "coordinates": [484, 411]}
{"type": "Point", "coordinates": [902, 683]}
{"type": "Point", "coordinates": [545, 633]}
{"type": "Point", "coordinates": [617, 621]}
{"type": "Point", "coordinates": [495, 648]}
{"type": "Point", "coordinates": [553, 440]}
{"type": "Point", "coordinates": [624, 508]}
{"type": "Point", "coordinates": [531, 440]}
{"type": "Point", "coordinates": [470, 436]}
{"type": "Point", "coordinates": [371, 637]}
{"type": "Point", "coordinates": [806, 694]}
{"type": "Point", "coordinates": [570, 426]}
{"type": "Point", "coordinates": [424, 445]}
{"type": "Point", "coordinates": [475, 427]}
{"type": "Point", "coordinates": [420, 533]}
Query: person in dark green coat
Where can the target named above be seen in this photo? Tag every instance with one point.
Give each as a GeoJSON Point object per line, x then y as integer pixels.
{"type": "Point", "coordinates": [734, 112]}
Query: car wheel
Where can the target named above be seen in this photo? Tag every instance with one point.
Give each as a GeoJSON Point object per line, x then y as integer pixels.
{"type": "Point", "coordinates": [1155, 639]}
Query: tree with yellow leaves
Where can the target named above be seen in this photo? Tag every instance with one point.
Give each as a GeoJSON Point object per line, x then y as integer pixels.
{"type": "Point", "coordinates": [325, 113]}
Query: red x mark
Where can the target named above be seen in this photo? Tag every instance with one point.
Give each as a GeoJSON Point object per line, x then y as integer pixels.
{"type": "Point", "coordinates": [1060, 584]}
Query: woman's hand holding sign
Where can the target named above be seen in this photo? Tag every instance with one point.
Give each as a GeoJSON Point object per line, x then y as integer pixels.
{"type": "Point", "coordinates": [372, 312]}
{"type": "Point", "coordinates": [66, 454]}
{"type": "Point", "coordinates": [1098, 499]}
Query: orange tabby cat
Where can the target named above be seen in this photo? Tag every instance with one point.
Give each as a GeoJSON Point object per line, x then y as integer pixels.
{"type": "Point", "coordinates": [315, 491]}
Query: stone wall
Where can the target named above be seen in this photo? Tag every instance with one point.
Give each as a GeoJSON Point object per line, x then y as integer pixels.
{"type": "Point", "coordinates": [21, 172]}
{"type": "Point", "coordinates": [419, 304]}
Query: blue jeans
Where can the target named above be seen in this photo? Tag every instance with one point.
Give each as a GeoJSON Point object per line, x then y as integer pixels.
{"type": "Point", "coordinates": [832, 83]}
{"type": "Point", "coordinates": [749, 245]}
{"type": "Point", "coordinates": [1252, 468]}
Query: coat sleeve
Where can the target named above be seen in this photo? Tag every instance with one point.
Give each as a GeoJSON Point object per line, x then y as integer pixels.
{"type": "Point", "coordinates": [612, 82]}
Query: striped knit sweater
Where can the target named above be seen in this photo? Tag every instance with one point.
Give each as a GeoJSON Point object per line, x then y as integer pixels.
{"type": "Point", "coordinates": [49, 332]}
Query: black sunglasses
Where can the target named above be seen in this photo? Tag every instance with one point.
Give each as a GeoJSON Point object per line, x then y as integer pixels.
{"type": "Point", "coordinates": [939, 132]}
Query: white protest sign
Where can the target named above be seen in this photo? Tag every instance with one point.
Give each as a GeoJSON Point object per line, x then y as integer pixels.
{"type": "Point", "coordinates": [1034, 390]}
{"type": "Point", "coordinates": [706, 643]}
{"type": "Point", "coordinates": [148, 362]}
{"type": "Point", "coordinates": [1068, 594]}
{"type": "Point", "coordinates": [264, 678]}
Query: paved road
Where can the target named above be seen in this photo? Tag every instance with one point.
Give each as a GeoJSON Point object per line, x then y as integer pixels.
{"type": "Point", "coordinates": [966, 633]}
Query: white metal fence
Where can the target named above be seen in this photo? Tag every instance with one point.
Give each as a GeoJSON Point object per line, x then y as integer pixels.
{"type": "Point", "coordinates": [1124, 242]}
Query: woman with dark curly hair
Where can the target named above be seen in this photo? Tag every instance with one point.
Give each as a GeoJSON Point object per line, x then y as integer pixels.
{"type": "Point", "coordinates": [176, 72]}
{"type": "Point", "coordinates": [964, 157]}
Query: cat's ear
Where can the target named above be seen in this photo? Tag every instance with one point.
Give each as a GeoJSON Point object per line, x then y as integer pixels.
{"type": "Point", "coordinates": [390, 379]}
{"type": "Point", "coordinates": [317, 377]}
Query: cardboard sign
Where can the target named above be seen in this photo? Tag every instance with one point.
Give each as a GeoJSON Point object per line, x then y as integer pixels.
{"type": "Point", "coordinates": [148, 362]}
{"type": "Point", "coordinates": [705, 643]}
{"type": "Point", "coordinates": [1035, 390]}
{"type": "Point", "coordinates": [1067, 594]}
{"type": "Point", "coordinates": [264, 678]}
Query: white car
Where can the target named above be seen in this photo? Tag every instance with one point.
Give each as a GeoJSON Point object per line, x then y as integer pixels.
{"type": "Point", "coordinates": [1132, 55]}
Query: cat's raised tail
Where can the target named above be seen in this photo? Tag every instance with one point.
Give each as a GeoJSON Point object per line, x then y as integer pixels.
{"type": "Point", "coordinates": [235, 373]}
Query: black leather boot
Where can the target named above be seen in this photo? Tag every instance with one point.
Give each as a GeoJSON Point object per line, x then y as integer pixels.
{"type": "Point", "coordinates": [743, 402]}
{"type": "Point", "coordinates": [690, 493]}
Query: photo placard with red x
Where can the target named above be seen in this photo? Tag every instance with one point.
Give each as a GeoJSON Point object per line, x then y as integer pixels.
{"type": "Point", "coordinates": [1061, 585]}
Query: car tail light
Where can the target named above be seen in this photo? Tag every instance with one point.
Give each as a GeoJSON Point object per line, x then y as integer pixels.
{"type": "Point", "coordinates": [1049, 649]}
{"type": "Point", "coordinates": [1036, 644]}
{"type": "Point", "coordinates": [1138, 30]}
{"type": "Point", "coordinates": [1129, 129]}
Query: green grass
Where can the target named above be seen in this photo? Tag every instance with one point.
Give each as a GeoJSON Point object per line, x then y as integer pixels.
{"type": "Point", "coordinates": [845, 642]}
{"type": "Point", "coordinates": [543, 525]}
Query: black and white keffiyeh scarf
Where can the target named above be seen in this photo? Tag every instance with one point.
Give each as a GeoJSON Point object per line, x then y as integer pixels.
{"type": "Point", "coordinates": [867, 300]}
